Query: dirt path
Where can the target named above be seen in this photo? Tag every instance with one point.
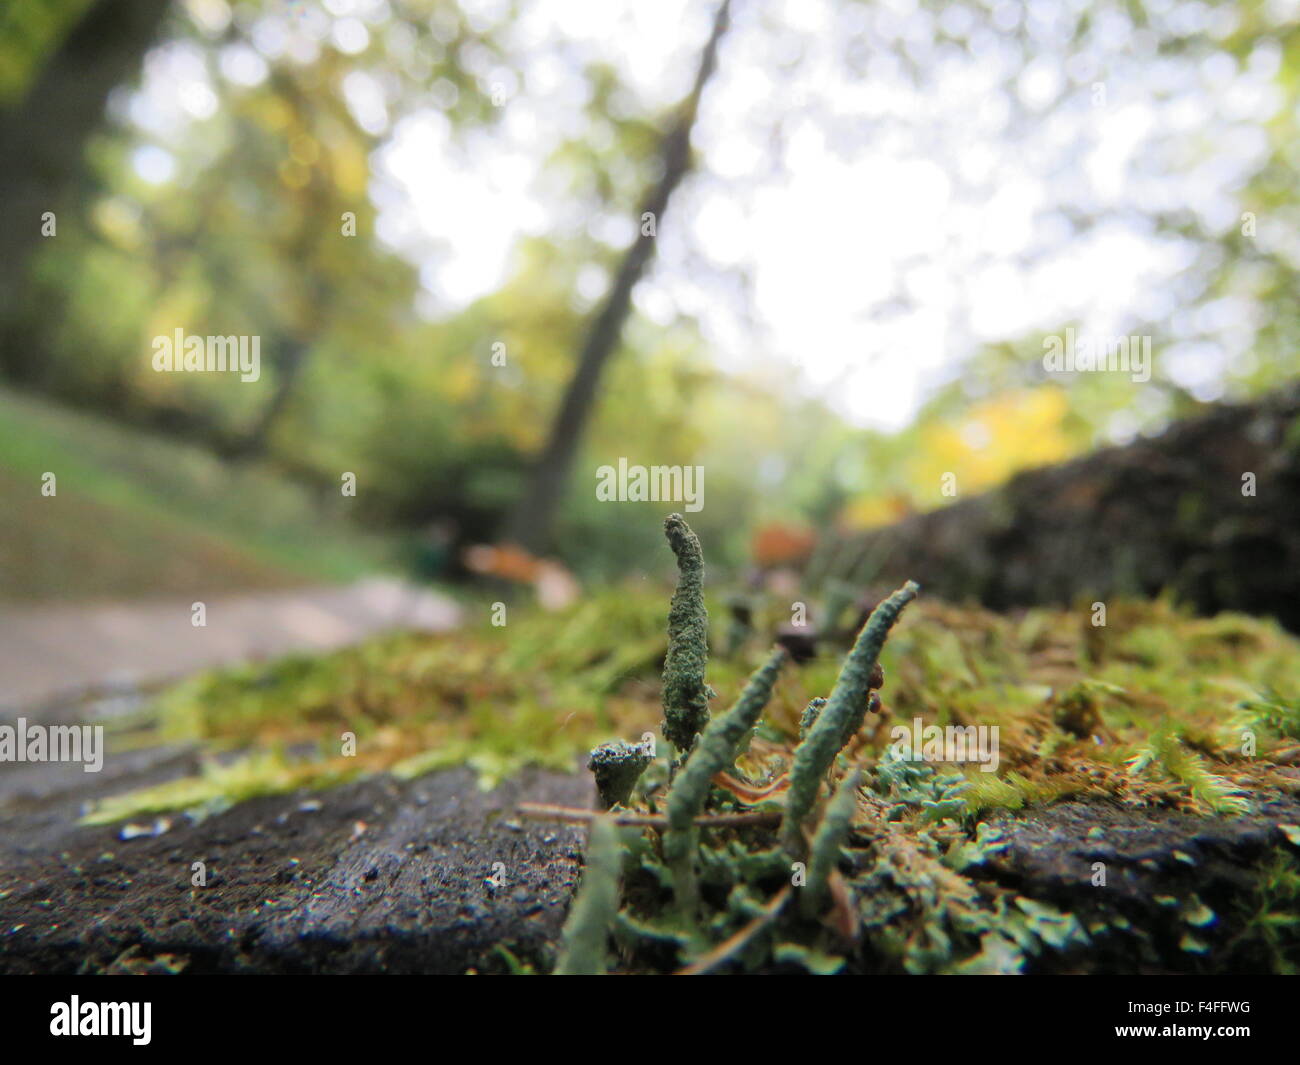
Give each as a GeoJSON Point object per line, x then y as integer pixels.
{"type": "Point", "coordinates": [49, 652]}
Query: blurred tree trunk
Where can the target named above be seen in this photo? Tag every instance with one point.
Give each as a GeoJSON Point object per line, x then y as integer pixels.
{"type": "Point", "coordinates": [42, 139]}
{"type": "Point", "coordinates": [293, 356]}
{"type": "Point", "coordinates": [308, 322]}
{"type": "Point", "coordinates": [1207, 509]}
{"type": "Point", "coordinates": [534, 517]}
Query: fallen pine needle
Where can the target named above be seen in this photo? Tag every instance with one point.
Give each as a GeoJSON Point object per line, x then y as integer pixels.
{"type": "Point", "coordinates": [729, 946]}
{"type": "Point", "coordinates": [750, 795]}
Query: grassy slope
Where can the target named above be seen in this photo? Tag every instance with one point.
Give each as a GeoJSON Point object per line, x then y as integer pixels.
{"type": "Point", "coordinates": [140, 514]}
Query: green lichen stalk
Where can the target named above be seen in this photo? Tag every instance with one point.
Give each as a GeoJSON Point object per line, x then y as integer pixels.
{"type": "Point", "coordinates": [685, 694]}
{"type": "Point", "coordinates": [586, 932]}
{"type": "Point", "coordinates": [717, 748]}
{"type": "Point", "coordinates": [809, 716]}
{"type": "Point", "coordinates": [715, 751]}
{"type": "Point", "coordinates": [826, 844]}
{"type": "Point", "coordinates": [834, 724]}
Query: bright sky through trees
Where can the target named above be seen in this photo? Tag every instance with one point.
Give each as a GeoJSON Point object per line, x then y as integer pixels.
{"type": "Point", "coordinates": [888, 220]}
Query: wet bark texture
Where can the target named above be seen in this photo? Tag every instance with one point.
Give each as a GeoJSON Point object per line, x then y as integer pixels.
{"type": "Point", "coordinates": [1166, 512]}
{"type": "Point", "coordinates": [389, 876]}
{"type": "Point", "coordinates": [375, 876]}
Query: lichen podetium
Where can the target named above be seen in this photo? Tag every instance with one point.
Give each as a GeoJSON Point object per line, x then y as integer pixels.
{"type": "Point", "coordinates": [715, 752]}
{"type": "Point", "coordinates": [685, 694]}
{"type": "Point", "coordinates": [585, 932]}
{"type": "Point", "coordinates": [617, 766]}
{"type": "Point", "coordinates": [840, 718]}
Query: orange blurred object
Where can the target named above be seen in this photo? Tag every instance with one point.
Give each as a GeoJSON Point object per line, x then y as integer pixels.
{"type": "Point", "coordinates": [778, 544]}
{"type": "Point", "coordinates": [508, 561]}
{"type": "Point", "coordinates": [555, 586]}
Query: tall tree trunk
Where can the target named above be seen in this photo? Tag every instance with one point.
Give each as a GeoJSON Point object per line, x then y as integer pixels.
{"type": "Point", "coordinates": [531, 524]}
{"type": "Point", "coordinates": [42, 138]}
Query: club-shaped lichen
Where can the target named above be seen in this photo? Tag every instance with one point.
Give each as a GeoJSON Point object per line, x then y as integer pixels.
{"type": "Point", "coordinates": [706, 861]}
{"type": "Point", "coordinates": [715, 751]}
{"type": "Point", "coordinates": [685, 694]}
{"type": "Point", "coordinates": [829, 838]}
{"type": "Point", "coordinates": [839, 718]}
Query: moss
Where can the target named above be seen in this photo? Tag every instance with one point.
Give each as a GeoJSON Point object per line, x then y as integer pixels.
{"type": "Point", "coordinates": [1270, 713]}
{"type": "Point", "coordinates": [1269, 918]}
{"type": "Point", "coordinates": [1165, 752]}
{"type": "Point", "coordinates": [537, 692]}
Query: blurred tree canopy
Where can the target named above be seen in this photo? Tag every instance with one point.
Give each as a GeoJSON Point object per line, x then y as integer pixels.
{"type": "Point", "coordinates": [254, 203]}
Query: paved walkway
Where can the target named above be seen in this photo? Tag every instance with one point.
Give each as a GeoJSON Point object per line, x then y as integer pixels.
{"type": "Point", "coordinates": [52, 651]}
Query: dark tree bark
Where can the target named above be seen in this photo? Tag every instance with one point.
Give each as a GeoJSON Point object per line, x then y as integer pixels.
{"type": "Point", "coordinates": [532, 522]}
{"type": "Point", "coordinates": [1163, 512]}
{"type": "Point", "coordinates": [42, 138]}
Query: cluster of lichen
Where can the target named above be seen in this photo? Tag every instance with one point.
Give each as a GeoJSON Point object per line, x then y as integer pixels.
{"type": "Point", "coordinates": [805, 850]}
{"type": "Point", "coordinates": [1151, 710]}
{"type": "Point", "coordinates": [812, 843]}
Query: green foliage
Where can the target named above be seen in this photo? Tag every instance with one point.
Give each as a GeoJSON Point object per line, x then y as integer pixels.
{"type": "Point", "coordinates": [140, 510]}
{"type": "Point", "coordinates": [397, 383]}
{"type": "Point", "coordinates": [28, 33]}
{"type": "Point", "coordinates": [1271, 712]}
{"type": "Point", "coordinates": [1164, 751]}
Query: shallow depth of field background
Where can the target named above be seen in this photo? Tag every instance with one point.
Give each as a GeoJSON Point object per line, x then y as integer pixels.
{"type": "Point", "coordinates": [891, 205]}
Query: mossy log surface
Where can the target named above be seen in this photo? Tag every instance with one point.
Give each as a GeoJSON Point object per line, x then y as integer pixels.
{"type": "Point", "coordinates": [305, 890]}
{"type": "Point", "coordinates": [1165, 512]}
{"type": "Point", "coordinates": [1161, 750]}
